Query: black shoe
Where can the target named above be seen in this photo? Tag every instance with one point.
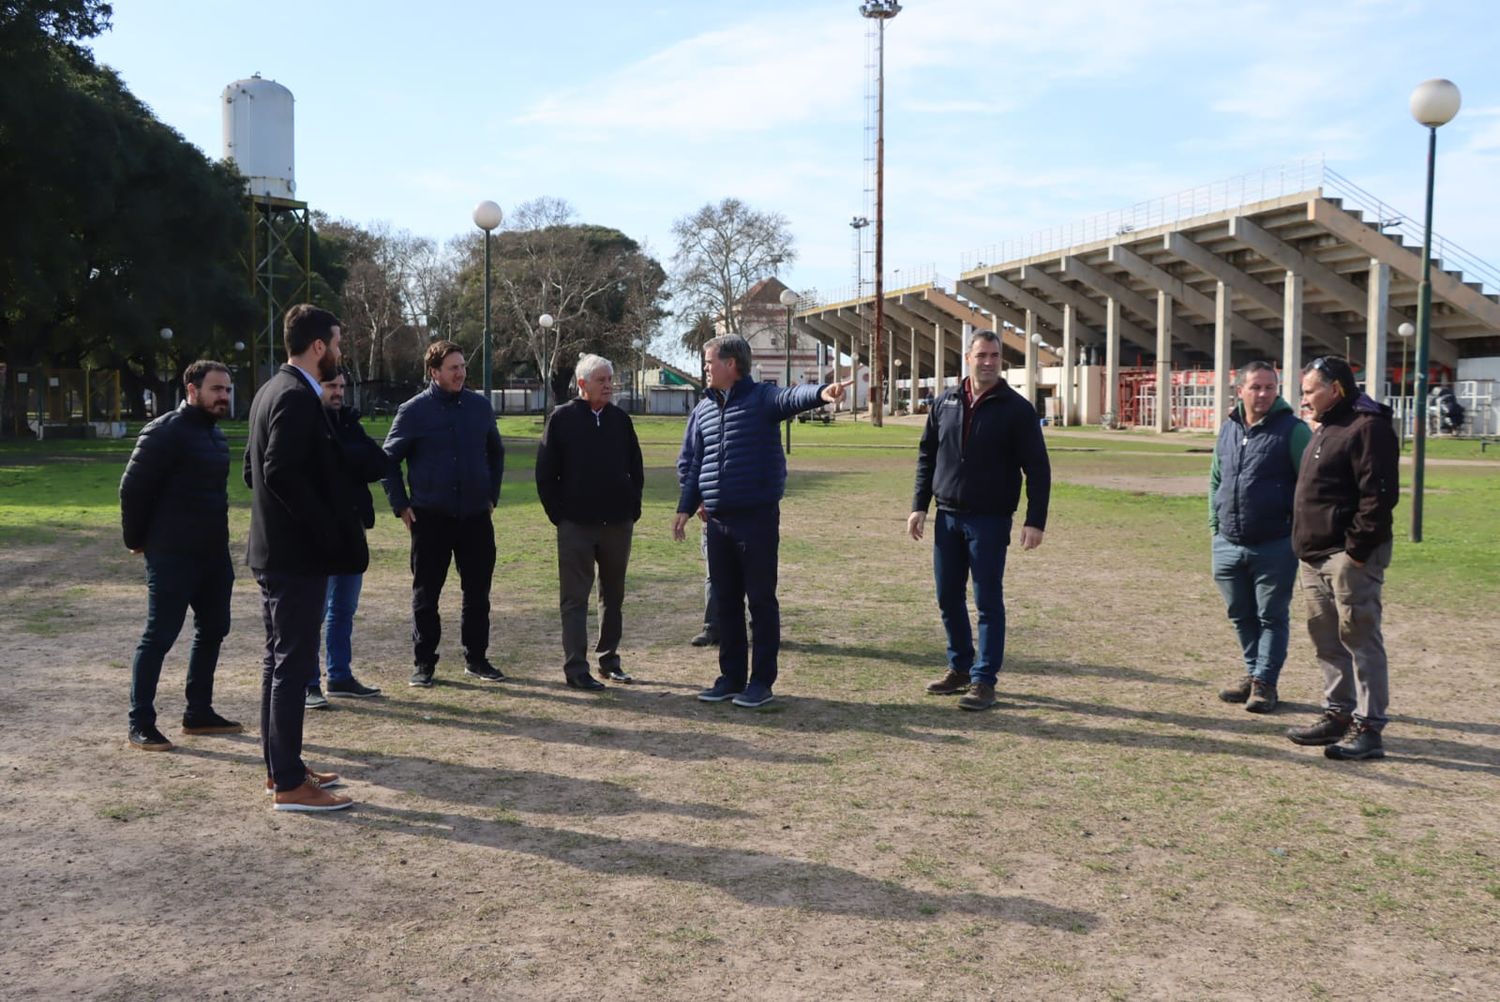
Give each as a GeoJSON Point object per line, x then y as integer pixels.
{"type": "Point", "coordinates": [315, 700]}
{"type": "Point", "coordinates": [1364, 744]}
{"type": "Point", "coordinates": [1237, 693]}
{"type": "Point", "coordinates": [721, 690]}
{"type": "Point", "coordinates": [585, 681]}
{"type": "Point", "coordinates": [210, 723]}
{"type": "Point", "coordinates": [1262, 698]}
{"type": "Point", "coordinates": [617, 675]}
{"type": "Point", "coordinates": [148, 738]}
{"type": "Point", "coordinates": [708, 638]}
{"type": "Point", "coordinates": [484, 671]}
{"type": "Point", "coordinates": [351, 686]}
{"type": "Point", "coordinates": [1327, 731]}
{"type": "Point", "coordinates": [421, 677]}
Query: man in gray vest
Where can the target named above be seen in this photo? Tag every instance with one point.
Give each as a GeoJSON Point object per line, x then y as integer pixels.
{"type": "Point", "coordinates": [1250, 491]}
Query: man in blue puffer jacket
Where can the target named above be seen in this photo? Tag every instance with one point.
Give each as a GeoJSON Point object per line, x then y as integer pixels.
{"type": "Point", "coordinates": [1250, 489]}
{"type": "Point", "coordinates": [447, 437]}
{"type": "Point", "coordinates": [737, 472]}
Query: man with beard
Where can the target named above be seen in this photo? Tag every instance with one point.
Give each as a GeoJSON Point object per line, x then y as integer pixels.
{"type": "Point", "coordinates": [364, 462]}
{"type": "Point", "coordinates": [174, 508]}
{"type": "Point", "coordinates": [447, 438]}
{"type": "Point", "coordinates": [304, 526]}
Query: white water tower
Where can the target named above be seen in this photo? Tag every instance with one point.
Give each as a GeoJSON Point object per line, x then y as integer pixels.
{"type": "Point", "coordinates": [258, 136]}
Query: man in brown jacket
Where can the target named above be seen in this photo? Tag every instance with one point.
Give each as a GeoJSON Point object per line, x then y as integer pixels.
{"type": "Point", "coordinates": [1341, 532]}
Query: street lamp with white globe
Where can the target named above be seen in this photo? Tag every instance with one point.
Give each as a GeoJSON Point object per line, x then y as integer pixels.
{"type": "Point", "coordinates": [1433, 104]}
{"type": "Point", "coordinates": [488, 217]}
{"type": "Point", "coordinates": [1405, 331]}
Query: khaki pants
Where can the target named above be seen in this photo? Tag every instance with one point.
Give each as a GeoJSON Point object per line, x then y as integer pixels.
{"type": "Point", "coordinates": [1343, 621]}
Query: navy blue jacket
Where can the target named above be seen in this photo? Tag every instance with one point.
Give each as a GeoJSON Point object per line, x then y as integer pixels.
{"type": "Point", "coordinates": [451, 447]}
{"type": "Point", "coordinates": [983, 475]}
{"type": "Point", "coordinates": [589, 469]}
{"type": "Point", "coordinates": [736, 460]}
{"type": "Point", "coordinates": [1254, 475]}
{"type": "Point", "coordinates": [174, 496]}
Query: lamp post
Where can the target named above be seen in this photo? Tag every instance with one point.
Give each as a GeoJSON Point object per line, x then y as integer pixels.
{"type": "Point", "coordinates": [1433, 104]}
{"type": "Point", "coordinates": [896, 385]}
{"type": "Point", "coordinates": [789, 300]}
{"type": "Point", "coordinates": [545, 322]}
{"type": "Point", "coordinates": [1406, 331]}
{"type": "Point", "coordinates": [487, 216]}
{"type": "Point", "coordinates": [166, 336]}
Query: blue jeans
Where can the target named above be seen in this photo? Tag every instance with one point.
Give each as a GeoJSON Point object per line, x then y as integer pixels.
{"type": "Point", "coordinates": [742, 557]}
{"type": "Point", "coordinates": [1256, 582]}
{"type": "Point", "coordinates": [965, 546]}
{"type": "Point", "coordinates": [338, 625]}
{"type": "Point", "coordinates": [176, 582]}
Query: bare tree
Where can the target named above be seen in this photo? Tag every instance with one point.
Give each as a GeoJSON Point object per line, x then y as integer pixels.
{"type": "Point", "coordinates": [722, 250]}
{"type": "Point", "coordinates": [580, 275]}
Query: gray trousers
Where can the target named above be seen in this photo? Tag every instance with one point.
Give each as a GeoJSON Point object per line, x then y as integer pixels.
{"type": "Point", "coordinates": [579, 549]}
{"type": "Point", "coordinates": [1343, 621]}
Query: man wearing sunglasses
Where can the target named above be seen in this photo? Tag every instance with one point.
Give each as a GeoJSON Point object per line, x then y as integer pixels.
{"type": "Point", "coordinates": [1347, 488]}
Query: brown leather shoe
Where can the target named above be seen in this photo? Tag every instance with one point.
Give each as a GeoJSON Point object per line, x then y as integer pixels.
{"type": "Point", "coordinates": [323, 780]}
{"type": "Point", "coordinates": [951, 684]}
{"type": "Point", "coordinates": [981, 697]}
{"type": "Point", "coordinates": [1237, 693]}
{"type": "Point", "coordinates": [309, 797]}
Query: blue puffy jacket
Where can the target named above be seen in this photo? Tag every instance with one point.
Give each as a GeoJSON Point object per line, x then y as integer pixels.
{"type": "Point", "coordinates": [734, 457]}
{"type": "Point", "coordinates": [451, 447]}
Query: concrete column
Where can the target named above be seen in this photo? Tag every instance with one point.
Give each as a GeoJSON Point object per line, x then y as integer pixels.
{"type": "Point", "coordinates": [836, 378]}
{"type": "Point", "coordinates": [1069, 350]}
{"type": "Point", "coordinates": [915, 374]}
{"type": "Point", "coordinates": [963, 351]}
{"type": "Point", "coordinates": [1028, 383]}
{"type": "Point", "coordinates": [1163, 362]}
{"type": "Point", "coordinates": [890, 377]}
{"type": "Point", "coordinates": [1222, 360]}
{"type": "Point", "coordinates": [1112, 360]}
{"type": "Point", "coordinates": [937, 360]}
{"type": "Point", "coordinates": [1291, 342]}
{"type": "Point", "coordinates": [1376, 332]}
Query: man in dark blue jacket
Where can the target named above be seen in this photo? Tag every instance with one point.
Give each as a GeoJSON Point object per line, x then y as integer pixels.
{"type": "Point", "coordinates": [737, 473]}
{"type": "Point", "coordinates": [981, 437]}
{"type": "Point", "coordinates": [1250, 489]}
{"type": "Point", "coordinates": [447, 437]}
{"type": "Point", "coordinates": [174, 508]}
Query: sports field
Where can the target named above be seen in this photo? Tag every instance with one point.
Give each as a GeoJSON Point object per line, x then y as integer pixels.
{"type": "Point", "coordinates": [1110, 831]}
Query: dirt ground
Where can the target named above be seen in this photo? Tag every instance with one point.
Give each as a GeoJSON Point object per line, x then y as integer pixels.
{"type": "Point", "coordinates": [1111, 831]}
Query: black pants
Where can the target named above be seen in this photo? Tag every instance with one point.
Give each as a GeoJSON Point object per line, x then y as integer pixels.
{"type": "Point", "coordinates": [175, 583]}
{"type": "Point", "coordinates": [292, 605]}
{"type": "Point", "coordinates": [742, 557]}
{"type": "Point", "coordinates": [579, 549]}
{"type": "Point", "coordinates": [436, 541]}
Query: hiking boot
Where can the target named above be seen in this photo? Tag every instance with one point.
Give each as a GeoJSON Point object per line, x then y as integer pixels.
{"type": "Point", "coordinates": [209, 723]}
{"type": "Point", "coordinates": [951, 684]}
{"type": "Point", "coordinates": [721, 690]}
{"type": "Point", "coordinates": [1326, 731]}
{"type": "Point", "coordinates": [421, 677]}
{"type": "Point", "coordinates": [351, 687]}
{"type": "Point", "coordinates": [1262, 698]}
{"type": "Point", "coordinates": [708, 638]}
{"type": "Point", "coordinates": [148, 738]}
{"type": "Point", "coordinates": [1237, 693]}
{"type": "Point", "coordinates": [315, 700]}
{"type": "Point", "coordinates": [309, 797]}
{"type": "Point", "coordinates": [1364, 744]}
{"type": "Point", "coordinates": [484, 671]}
{"type": "Point", "coordinates": [981, 696]}
{"type": "Point", "coordinates": [754, 695]}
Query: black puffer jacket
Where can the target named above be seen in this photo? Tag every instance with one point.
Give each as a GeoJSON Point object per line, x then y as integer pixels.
{"type": "Point", "coordinates": [362, 459]}
{"type": "Point", "coordinates": [1348, 485]}
{"type": "Point", "coordinates": [174, 495]}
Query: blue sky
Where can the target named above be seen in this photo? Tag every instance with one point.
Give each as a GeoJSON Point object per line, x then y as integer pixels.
{"type": "Point", "coordinates": [1002, 118]}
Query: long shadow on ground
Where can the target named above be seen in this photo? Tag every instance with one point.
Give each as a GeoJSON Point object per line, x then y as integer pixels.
{"type": "Point", "coordinates": [756, 878]}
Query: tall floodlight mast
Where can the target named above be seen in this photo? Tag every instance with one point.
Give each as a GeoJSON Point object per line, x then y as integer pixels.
{"type": "Point", "coordinates": [880, 11]}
